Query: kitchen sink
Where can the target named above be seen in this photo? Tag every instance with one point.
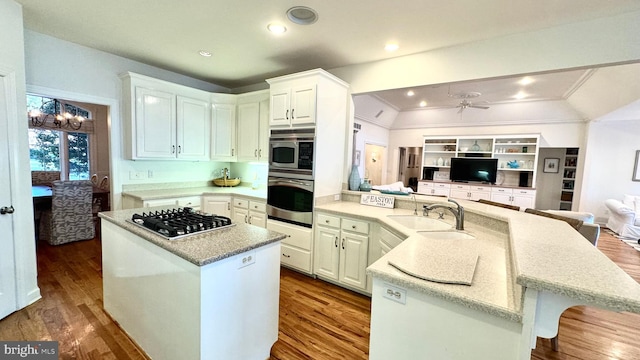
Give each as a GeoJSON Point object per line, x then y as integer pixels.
{"type": "Point", "coordinates": [417, 222]}
{"type": "Point", "coordinates": [446, 235]}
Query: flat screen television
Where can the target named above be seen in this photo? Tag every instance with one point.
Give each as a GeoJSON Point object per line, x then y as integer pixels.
{"type": "Point", "coordinates": [474, 170]}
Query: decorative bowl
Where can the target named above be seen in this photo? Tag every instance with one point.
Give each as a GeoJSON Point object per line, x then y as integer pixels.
{"type": "Point", "coordinates": [226, 182]}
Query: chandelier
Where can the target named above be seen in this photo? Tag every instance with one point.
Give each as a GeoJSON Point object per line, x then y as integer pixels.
{"type": "Point", "coordinates": [53, 112]}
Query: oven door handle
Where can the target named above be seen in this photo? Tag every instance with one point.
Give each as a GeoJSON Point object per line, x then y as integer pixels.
{"type": "Point", "coordinates": [288, 181]}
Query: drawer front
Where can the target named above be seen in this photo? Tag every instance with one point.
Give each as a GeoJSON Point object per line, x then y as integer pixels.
{"type": "Point", "coordinates": [460, 187]}
{"type": "Point", "coordinates": [257, 206]}
{"type": "Point", "coordinates": [480, 188]}
{"type": "Point", "coordinates": [389, 239]}
{"type": "Point", "coordinates": [191, 201]}
{"type": "Point", "coordinates": [361, 227]}
{"type": "Point", "coordinates": [501, 191]}
{"type": "Point", "coordinates": [295, 258]}
{"type": "Point", "coordinates": [425, 184]}
{"type": "Point", "coordinates": [296, 235]}
{"type": "Point", "coordinates": [524, 192]}
{"type": "Point", "coordinates": [241, 203]}
{"type": "Point", "coordinates": [441, 186]}
{"type": "Point", "coordinates": [328, 220]}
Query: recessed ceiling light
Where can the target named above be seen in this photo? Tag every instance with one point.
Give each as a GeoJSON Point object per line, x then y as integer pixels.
{"type": "Point", "coordinates": [520, 95]}
{"type": "Point", "coordinates": [302, 15]}
{"type": "Point", "coordinates": [423, 103]}
{"type": "Point", "coordinates": [391, 47]}
{"type": "Point", "coordinates": [525, 81]}
{"type": "Point", "coordinates": [204, 53]}
{"type": "Point", "coordinates": [410, 93]}
{"type": "Point", "coordinates": [276, 28]}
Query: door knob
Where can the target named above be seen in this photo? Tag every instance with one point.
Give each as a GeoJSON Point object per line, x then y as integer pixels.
{"type": "Point", "coordinates": [7, 210]}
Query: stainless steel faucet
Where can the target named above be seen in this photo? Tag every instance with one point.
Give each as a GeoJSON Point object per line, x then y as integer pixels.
{"type": "Point", "coordinates": [458, 213]}
{"type": "Point", "coordinates": [415, 202]}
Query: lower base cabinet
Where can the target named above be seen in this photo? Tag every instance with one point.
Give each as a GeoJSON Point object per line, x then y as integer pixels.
{"type": "Point", "coordinates": [341, 250]}
{"type": "Point", "coordinates": [250, 212]}
{"type": "Point", "coordinates": [218, 205]}
{"type": "Point", "coordinates": [519, 197]}
{"type": "Point", "coordinates": [296, 248]}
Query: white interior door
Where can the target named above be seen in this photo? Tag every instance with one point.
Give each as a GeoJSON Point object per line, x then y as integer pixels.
{"type": "Point", "coordinates": [8, 300]}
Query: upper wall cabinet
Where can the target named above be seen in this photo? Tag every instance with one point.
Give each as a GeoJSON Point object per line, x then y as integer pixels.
{"type": "Point", "coordinates": [223, 128]}
{"type": "Point", "coordinates": [293, 106]}
{"type": "Point", "coordinates": [253, 119]}
{"type": "Point", "coordinates": [165, 121]}
{"type": "Point", "coordinates": [316, 99]}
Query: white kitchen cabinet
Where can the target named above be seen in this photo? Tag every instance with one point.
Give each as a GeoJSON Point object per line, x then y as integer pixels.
{"type": "Point", "coordinates": [165, 121]}
{"type": "Point", "coordinates": [217, 205]}
{"type": "Point", "coordinates": [223, 132]}
{"type": "Point", "coordinates": [524, 198]}
{"type": "Point", "coordinates": [250, 212]}
{"type": "Point", "coordinates": [433, 188]}
{"type": "Point", "coordinates": [187, 201]}
{"type": "Point", "coordinates": [293, 106]}
{"type": "Point", "coordinates": [341, 250]}
{"type": "Point", "coordinates": [296, 249]}
{"type": "Point", "coordinates": [253, 139]}
{"type": "Point", "coordinates": [470, 192]}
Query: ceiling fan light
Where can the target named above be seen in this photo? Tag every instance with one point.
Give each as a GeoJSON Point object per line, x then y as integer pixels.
{"type": "Point", "coordinates": [423, 103]}
{"type": "Point", "coordinates": [410, 93]}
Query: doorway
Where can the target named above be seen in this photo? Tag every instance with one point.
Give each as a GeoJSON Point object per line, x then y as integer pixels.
{"type": "Point", "coordinates": [375, 162]}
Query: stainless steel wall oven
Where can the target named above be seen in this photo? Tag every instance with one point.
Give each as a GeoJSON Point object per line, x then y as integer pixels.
{"type": "Point", "coordinates": [290, 187]}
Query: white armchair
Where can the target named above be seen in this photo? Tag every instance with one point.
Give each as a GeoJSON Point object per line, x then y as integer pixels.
{"type": "Point", "coordinates": [622, 216]}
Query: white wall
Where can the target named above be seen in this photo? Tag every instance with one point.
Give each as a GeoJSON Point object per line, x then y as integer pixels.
{"type": "Point", "coordinates": [549, 185]}
{"type": "Point", "coordinates": [377, 135]}
{"type": "Point", "coordinates": [610, 157]}
{"type": "Point", "coordinates": [59, 68]}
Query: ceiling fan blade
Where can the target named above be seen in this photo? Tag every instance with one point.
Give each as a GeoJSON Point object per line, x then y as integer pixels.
{"type": "Point", "coordinates": [461, 108]}
{"type": "Point", "coordinates": [479, 107]}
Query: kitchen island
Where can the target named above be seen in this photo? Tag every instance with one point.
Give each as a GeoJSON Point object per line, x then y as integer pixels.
{"type": "Point", "coordinates": [529, 270]}
{"type": "Point", "coordinates": [213, 295]}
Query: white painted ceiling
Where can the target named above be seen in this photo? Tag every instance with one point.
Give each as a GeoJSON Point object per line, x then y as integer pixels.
{"type": "Point", "coordinates": [169, 34]}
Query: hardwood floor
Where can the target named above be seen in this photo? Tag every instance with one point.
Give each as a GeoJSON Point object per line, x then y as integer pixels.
{"type": "Point", "coordinates": [317, 320]}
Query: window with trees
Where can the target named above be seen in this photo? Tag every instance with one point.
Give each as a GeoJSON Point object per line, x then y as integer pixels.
{"type": "Point", "coordinates": [59, 149]}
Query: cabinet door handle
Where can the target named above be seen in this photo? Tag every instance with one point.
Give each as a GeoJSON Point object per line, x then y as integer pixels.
{"type": "Point", "coordinates": [245, 218]}
{"type": "Point", "coordinates": [173, 149]}
{"type": "Point", "coordinates": [342, 243]}
{"type": "Point", "coordinates": [287, 115]}
{"type": "Point", "coordinates": [179, 149]}
{"type": "Point", "coordinates": [232, 152]}
{"type": "Point", "coordinates": [353, 227]}
{"type": "Point", "coordinates": [255, 153]}
{"type": "Point", "coordinates": [285, 255]}
{"type": "Point", "coordinates": [259, 152]}
{"type": "Point", "coordinates": [336, 241]}
{"type": "Point", "coordinates": [249, 219]}
{"type": "Point", "coordinates": [228, 206]}
{"type": "Point", "coordinates": [292, 117]}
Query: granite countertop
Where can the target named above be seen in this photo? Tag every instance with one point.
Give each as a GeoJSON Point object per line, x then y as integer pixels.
{"type": "Point", "coordinates": [199, 249]}
{"type": "Point", "coordinates": [152, 194]}
{"type": "Point", "coordinates": [530, 252]}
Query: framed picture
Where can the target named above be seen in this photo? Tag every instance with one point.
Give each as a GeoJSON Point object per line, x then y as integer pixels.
{"type": "Point", "coordinates": [551, 165]}
{"type": "Point", "coordinates": [636, 170]}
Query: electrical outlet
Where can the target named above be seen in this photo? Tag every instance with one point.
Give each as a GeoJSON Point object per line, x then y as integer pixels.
{"type": "Point", "coordinates": [137, 175]}
{"type": "Point", "coordinates": [150, 174]}
{"type": "Point", "coordinates": [395, 294]}
{"type": "Point", "coordinates": [336, 197]}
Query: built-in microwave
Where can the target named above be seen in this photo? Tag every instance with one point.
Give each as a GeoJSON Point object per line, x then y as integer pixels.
{"type": "Point", "coordinates": [291, 151]}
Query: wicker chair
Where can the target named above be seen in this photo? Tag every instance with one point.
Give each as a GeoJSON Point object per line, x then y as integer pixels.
{"type": "Point", "coordinates": [44, 177]}
{"type": "Point", "coordinates": [70, 218]}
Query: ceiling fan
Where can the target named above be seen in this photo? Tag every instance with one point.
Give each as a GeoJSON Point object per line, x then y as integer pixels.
{"type": "Point", "coordinates": [465, 103]}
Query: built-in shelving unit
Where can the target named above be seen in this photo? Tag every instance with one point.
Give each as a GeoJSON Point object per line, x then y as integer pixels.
{"type": "Point", "coordinates": [568, 178]}
{"type": "Point", "coordinates": [517, 155]}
